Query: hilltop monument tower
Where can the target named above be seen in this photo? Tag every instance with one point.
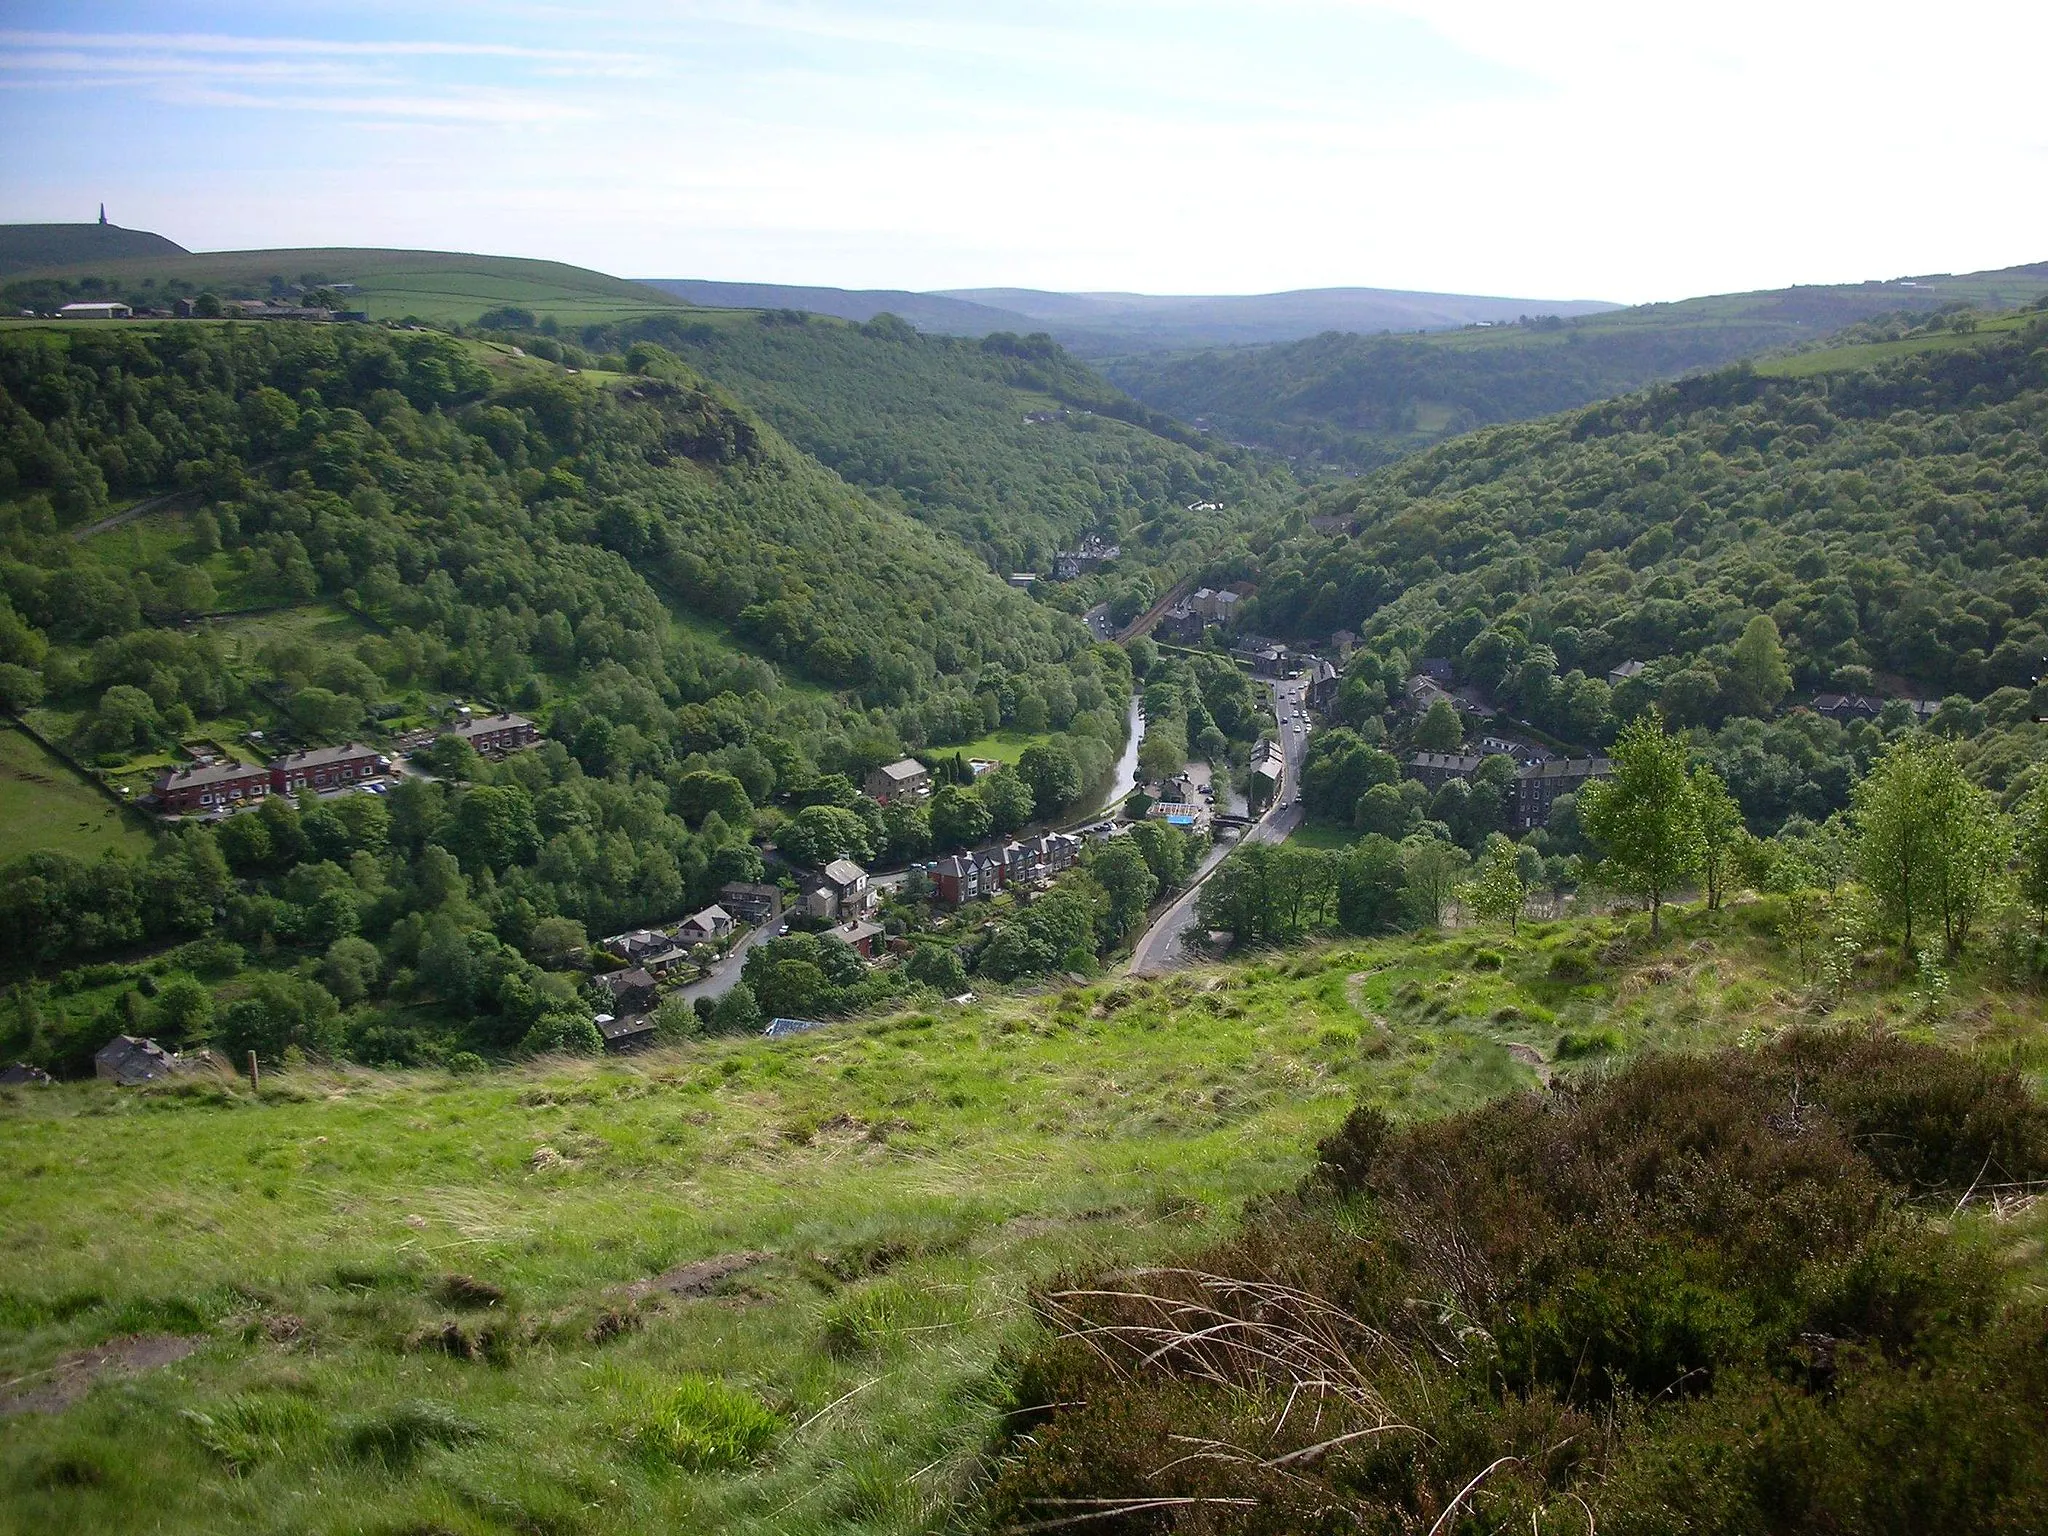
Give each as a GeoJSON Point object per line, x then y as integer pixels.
{"type": "Point", "coordinates": [103, 214]}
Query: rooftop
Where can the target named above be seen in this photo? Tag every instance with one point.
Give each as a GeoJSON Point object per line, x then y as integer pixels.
{"type": "Point", "coordinates": [487, 725]}
{"type": "Point", "coordinates": [845, 872]}
{"type": "Point", "coordinates": [215, 773]}
{"type": "Point", "coordinates": [321, 757]}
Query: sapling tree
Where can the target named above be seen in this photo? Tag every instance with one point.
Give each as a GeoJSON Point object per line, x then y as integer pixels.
{"type": "Point", "coordinates": [1721, 831]}
{"type": "Point", "coordinates": [1645, 820]}
{"type": "Point", "coordinates": [1930, 844]}
{"type": "Point", "coordinates": [1499, 889]}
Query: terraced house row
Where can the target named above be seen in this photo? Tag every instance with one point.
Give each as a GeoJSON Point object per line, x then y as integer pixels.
{"type": "Point", "coordinates": [210, 788]}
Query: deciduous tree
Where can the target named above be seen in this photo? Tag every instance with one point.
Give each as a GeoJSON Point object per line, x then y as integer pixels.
{"type": "Point", "coordinates": [1645, 820]}
{"type": "Point", "coordinates": [1497, 890]}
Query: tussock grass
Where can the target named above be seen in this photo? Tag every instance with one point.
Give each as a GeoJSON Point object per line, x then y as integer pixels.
{"type": "Point", "coordinates": [703, 1425]}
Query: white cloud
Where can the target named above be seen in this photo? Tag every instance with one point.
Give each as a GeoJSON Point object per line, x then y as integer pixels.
{"type": "Point", "coordinates": [1587, 150]}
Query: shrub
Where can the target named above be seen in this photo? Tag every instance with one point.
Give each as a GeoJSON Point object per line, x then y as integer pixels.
{"type": "Point", "coordinates": [1694, 1295]}
{"type": "Point", "coordinates": [1572, 967]}
{"type": "Point", "coordinates": [569, 1032]}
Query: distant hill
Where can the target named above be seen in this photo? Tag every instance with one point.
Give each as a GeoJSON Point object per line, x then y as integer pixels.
{"type": "Point", "coordinates": [1099, 323]}
{"type": "Point", "coordinates": [1012, 446]}
{"type": "Point", "coordinates": [927, 311]}
{"type": "Point", "coordinates": [31, 247]}
{"type": "Point", "coordinates": [1346, 401]}
{"type": "Point", "coordinates": [1105, 324]}
{"type": "Point", "coordinates": [432, 285]}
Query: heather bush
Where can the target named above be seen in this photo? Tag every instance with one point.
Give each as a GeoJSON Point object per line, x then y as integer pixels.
{"type": "Point", "coordinates": [1695, 1294]}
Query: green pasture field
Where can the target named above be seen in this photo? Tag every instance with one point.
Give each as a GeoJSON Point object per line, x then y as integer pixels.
{"type": "Point", "coordinates": [1802, 365]}
{"type": "Point", "coordinates": [318, 624]}
{"type": "Point", "coordinates": [166, 534]}
{"type": "Point", "coordinates": [44, 807]}
{"type": "Point", "coordinates": [738, 1285]}
{"type": "Point", "coordinates": [429, 285]}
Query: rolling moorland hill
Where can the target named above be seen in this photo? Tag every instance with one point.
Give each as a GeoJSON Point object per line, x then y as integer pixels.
{"type": "Point", "coordinates": [812, 1285]}
{"type": "Point", "coordinates": [1109, 324]}
{"type": "Point", "coordinates": [438, 286]}
{"type": "Point", "coordinates": [1096, 325]}
{"type": "Point", "coordinates": [1345, 402]}
{"type": "Point", "coordinates": [35, 247]}
{"type": "Point", "coordinates": [1006, 443]}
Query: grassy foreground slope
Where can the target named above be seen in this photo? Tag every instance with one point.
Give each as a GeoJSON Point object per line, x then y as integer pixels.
{"type": "Point", "coordinates": [415, 1302]}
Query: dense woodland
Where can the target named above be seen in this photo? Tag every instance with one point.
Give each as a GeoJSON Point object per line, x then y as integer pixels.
{"type": "Point", "coordinates": [1751, 540]}
{"type": "Point", "coordinates": [1342, 401]}
{"type": "Point", "coordinates": [940, 427]}
{"type": "Point", "coordinates": [635, 560]}
{"type": "Point", "coordinates": [722, 639]}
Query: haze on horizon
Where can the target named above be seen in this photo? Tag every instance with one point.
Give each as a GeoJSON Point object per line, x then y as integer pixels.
{"type": "Point", "coordinates": [1589, 150]}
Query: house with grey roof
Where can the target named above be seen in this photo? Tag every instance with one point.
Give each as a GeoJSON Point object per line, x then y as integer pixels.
{"type": "Point", "coordinates": [130, 1060]}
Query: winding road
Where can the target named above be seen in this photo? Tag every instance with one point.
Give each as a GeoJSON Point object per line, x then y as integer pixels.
{"type": "Point", "coordinates": [1160, 950]}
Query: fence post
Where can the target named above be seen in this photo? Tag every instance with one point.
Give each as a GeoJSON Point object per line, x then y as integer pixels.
{"type": "Point", "coordinates": [255, 1075]}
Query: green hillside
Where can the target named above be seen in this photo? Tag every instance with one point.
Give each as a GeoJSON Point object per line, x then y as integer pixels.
{"type": "Point", "coordinates": [715, 630]}
{"type": "Point", "coordinates": [36, 247]}
{"type": "Point", "coordinates": [440, 286]}
{"type": "Point", "coordinates": [45, 805]}
{"type": "Point", "coordinates": [1881, 524]}
{"type": "Point", "coordinates": [1007, 443]}
{"type": "Point", "coordinates": [1344, 401]}
{"type": "Point", "coordinates": [1880, 341]}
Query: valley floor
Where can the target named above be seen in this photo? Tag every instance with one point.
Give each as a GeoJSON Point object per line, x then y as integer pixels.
{"type": "Point", "coordinates": [421, 1302]}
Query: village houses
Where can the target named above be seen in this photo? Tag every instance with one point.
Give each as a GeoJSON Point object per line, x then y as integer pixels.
{"type": "Point", "coordinates": [495, 735]}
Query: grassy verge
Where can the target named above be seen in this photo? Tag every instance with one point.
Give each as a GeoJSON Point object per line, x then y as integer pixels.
{"type": "Point", "coordinates": [426, 1302]}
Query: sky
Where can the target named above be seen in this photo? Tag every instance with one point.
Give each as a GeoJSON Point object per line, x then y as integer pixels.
{"type": "Point", "coordinates": [1577, 149]}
